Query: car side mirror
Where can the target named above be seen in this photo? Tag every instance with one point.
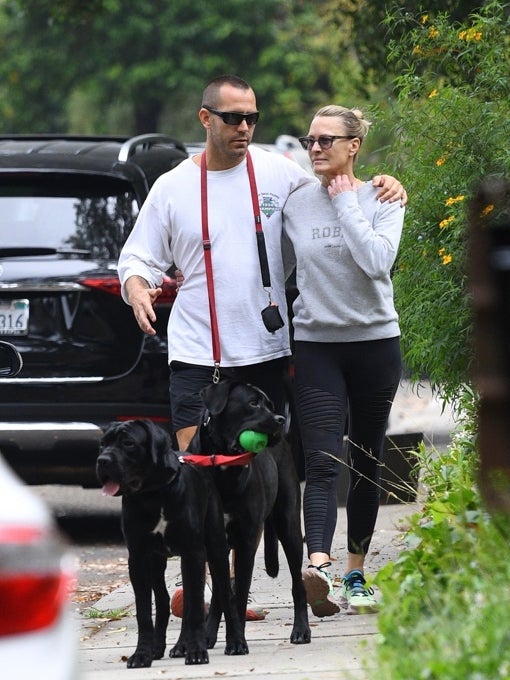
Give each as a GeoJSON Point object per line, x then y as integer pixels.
{"type": "Point", "coordinates": [11, 362]}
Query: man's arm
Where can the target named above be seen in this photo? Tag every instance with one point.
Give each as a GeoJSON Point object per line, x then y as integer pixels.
{"type": "Point", "coordinates": [391, 189]}
{"type": "Point", "coordinates": [142, 297]}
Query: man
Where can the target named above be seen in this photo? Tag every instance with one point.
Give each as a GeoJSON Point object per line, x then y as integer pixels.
{"type": "Point", "coordinates": [169, 231]}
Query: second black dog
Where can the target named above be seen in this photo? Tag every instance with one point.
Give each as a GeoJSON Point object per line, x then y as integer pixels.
{"type": "Point", "coordinates": [263, 496]}
{"type": "Point", "coordinates": [168, 508]}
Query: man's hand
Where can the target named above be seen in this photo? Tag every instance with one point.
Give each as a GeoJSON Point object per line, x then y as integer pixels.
{"type": "Point", "coordinates": [142, 298]}
{"type": "Point", "coordinates": [391, 189]}
{"type": "Point", "coordinates": [179, 278]}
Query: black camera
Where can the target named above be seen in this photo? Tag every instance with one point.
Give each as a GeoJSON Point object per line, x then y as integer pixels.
{"type": "Point", "coordinates": [272, 318]}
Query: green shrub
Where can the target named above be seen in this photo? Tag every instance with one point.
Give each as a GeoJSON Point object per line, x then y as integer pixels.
{"type": "Point", "coordinates": [444, 613]}
{"type": "Point", "coordinates": [445, 600]}
{"type": "Point", "coordinates": [453, 129]}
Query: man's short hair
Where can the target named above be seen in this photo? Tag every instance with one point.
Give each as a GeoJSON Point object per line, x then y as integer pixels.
{"type": "Point", "coordinates": [210, 95]}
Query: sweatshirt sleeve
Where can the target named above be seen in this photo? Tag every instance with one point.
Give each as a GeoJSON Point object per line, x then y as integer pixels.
{"type": "Point", "coordinates": [372, 244]}
{"type": "Point", "coordinates": [147, 250]}
{"type": "Point", "coordinates": [289, 257]}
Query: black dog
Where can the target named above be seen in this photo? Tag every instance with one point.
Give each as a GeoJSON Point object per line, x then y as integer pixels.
{"type": "Point", "coordinates": [261, 496]}
{"type": "Point", "coordinates": [168, 508]}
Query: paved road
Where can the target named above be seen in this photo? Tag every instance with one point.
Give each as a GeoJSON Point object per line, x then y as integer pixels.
{"type": "Point", "coordinates": [340, 645]}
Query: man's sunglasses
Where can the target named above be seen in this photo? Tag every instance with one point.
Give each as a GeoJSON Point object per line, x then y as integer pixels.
{"type": "Point", "coordinates": [324, 141]}
{"type": "Point", "coordinates": [233, 117]}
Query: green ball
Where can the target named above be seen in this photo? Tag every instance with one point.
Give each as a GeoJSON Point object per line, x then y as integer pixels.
{"type": "Point", "coordinates": [253, 441]}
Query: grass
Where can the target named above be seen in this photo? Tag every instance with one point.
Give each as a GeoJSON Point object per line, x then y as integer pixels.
{"type": "Point", "coordinates": [445, 611]}
{"type": "Point", "coordinates": [109, 614]}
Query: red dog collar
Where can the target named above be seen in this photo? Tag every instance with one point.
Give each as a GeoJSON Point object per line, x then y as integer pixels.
{"type": "Point", "coordinates": [216, 459]}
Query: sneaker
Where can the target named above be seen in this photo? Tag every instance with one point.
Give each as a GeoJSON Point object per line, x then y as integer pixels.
{"type": "Point", "coordinates": [253, 611]}
{"type": "Point", "coordinates": [319, 590]}
{"type": "Point", "coordinates": [177, 600]}
{"type": "Point", "coordinates": [177, 603]}
{"type": "Point", "coordinates": [355, 596]}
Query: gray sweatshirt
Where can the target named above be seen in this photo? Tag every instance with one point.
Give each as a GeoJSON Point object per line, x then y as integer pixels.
{"type": "Point", "coordinates": [344, 250]}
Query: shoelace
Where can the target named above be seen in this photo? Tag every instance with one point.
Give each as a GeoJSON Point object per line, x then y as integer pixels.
{"type": "Point", "coordinates": [322, 567]}
{"type": "Point", "coordinates": [356, 584]}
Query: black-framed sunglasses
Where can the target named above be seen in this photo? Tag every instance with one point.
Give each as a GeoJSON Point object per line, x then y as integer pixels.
{"type": "Point", "coordinates": [324, 141]}
{"type": "Point", "coordinates": [233, 117]}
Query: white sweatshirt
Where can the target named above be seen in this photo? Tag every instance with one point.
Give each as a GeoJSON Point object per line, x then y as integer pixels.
{"type": "Point", "coordinates": [169, 230]}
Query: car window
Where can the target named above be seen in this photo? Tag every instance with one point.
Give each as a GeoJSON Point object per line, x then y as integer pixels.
{"type": "Point", "coordinates": [63, 212]}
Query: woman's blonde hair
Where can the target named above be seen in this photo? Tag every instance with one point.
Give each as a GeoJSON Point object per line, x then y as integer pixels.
{"type": "Point", "coordinates": [354, 121]}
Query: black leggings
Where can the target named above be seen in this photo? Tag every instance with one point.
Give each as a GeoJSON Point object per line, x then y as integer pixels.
{"type": "Point", "coordinates": [335, 382]}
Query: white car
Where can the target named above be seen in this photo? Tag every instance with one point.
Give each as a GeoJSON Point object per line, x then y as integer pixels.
{"type": "Point", "coordinates": [38, 638]}
{"type": "Point", "coordinates": [291, 147]}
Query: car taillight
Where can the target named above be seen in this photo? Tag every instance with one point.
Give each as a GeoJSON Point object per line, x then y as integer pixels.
{"type": "Point", "coordinates": [111, 284]}
{"type": "Point", "coordinates": [37, 575]}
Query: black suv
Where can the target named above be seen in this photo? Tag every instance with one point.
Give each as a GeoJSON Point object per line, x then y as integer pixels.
{"type": "Point", "coordinates": [67, 205]}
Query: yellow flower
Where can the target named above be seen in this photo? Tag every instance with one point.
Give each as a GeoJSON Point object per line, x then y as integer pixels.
{"type": "Point", "coordinates": [444, 223]}
{"type": "Point", "coordinates": [452, 201]}
{"type": "Point", "coordinates": [433, 94]}
{"type": "Point", "coordinates": [445, 257]}
{"type": "Point", "coordinates": [470, 34]}
{"type": "Point", "coordinates": [433, 32]}
{"type": "Point", "coordinates": [487, 210]}
{"type": "Point", "coordinates": [424, 18]}
{"type": "Point", "coordinates": [416, 49]}
{"type": "Point", "coordinates": [440, 162]}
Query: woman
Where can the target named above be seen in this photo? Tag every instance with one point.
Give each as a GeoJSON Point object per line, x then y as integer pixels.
{"type": "Point", "coordinates": [347, 350]}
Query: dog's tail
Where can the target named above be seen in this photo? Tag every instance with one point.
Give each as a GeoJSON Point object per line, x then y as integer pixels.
{"type": "Point", "coordinates": [271, 549]}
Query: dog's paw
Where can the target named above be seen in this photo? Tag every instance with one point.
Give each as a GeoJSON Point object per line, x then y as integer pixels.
{"type": "Point", "coordinates": [199, 656]}
{"type": "Point", "coordinates": [301, 636]}
{"type": "Point", "coordinates": [178, 651]}
{"type": "Point", "coordinates": [140, 660]}
{"type": "Point", "coordinates": [211, 641]}
{"type": "Point", "coordinates": [159, 651]}
{"type": "Point", "coordinates": [236, 647]}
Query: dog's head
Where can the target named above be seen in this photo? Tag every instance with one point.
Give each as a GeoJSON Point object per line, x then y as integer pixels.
{"type": "Point", "coordinates": [134, 455]}
{"type": "Point", "coordinates": [230, 408]}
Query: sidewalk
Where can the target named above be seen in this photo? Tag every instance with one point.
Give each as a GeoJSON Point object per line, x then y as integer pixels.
{"type": "Point", "coordinates": [340, 646]}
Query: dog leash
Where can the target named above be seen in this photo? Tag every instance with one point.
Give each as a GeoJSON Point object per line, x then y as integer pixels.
{"type": "Point", "coordinates": [206, 243]}
{"type": "Point", "coordinates": [217, 459]}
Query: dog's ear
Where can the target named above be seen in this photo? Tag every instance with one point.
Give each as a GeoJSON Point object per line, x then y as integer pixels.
{"type": "Point", "coordinates": [264, 396]}
{"type": "Point", "coordinates": [215, 396]}
{"type": "Point", "coordinates": [109, 431]}
{"type": "Point", "coordinates": [158, 441]}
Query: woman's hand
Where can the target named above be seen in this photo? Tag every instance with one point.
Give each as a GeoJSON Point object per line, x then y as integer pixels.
{"type": "Point", "coordinates": [341, 183]}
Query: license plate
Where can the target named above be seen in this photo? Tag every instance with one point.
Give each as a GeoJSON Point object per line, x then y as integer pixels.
{"type": "Point", "coordinates": [14, 317]}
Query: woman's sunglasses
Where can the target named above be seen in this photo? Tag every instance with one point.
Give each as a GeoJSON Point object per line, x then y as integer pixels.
{"type": "Point", "coordinates": [233, 117]}
{"type": "Point", "coordinates": [324, 141]}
